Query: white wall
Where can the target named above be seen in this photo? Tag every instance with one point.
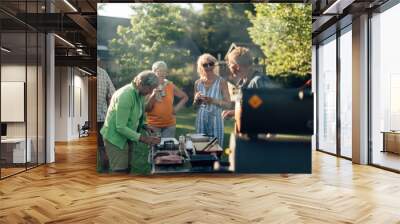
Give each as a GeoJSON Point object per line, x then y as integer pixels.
{"type": "Point", "coordinates": [33, 127]}
{"type": "Point", "coordinates": [16, 73]}
{"type": "Point", "coordinates": [61, 103]}
{"type": "Point", "coordinates": [71, 87]}
{"type": "Point", "coordinates": [12, 73]}
{"type": "Point", "coordinates": [79, 102]}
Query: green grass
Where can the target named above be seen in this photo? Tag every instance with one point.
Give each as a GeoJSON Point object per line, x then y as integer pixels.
{"type": "Point", "coordinates": [185, 120]}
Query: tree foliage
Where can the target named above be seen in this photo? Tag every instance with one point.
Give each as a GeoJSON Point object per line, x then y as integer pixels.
{"type": "Point", "coordinates": [153, 35]}
{"type": "Point", "coordinates": [283, 31]}
{"type": "Point", "coordinates": [178, 35]}
{"type": "Point", "coordinates": [222, 24]}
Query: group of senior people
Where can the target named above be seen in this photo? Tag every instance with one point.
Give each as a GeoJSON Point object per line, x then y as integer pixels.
{"type": "Point", "coordinates": [151, 96]}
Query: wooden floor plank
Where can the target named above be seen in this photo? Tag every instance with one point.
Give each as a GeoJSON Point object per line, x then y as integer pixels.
{"type": "Point", "coordinates": [70, 191]}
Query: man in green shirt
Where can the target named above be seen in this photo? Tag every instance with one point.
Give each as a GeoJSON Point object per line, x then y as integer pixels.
{"type": "Point", "coordinates": [125, 119]}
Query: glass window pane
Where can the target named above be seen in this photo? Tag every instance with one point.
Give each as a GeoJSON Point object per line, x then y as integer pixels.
{"type": "Point", "coordinates": [31, 96]}
{"type": "Point", "coordinates": [14, 153]}
{"type": "Point", "coordinates": [385, 88]}
{"type": "Point", "coordinates": [22, 81]}
{"type": "Point", "coordinates": [327, 96]}
{"type": "Point", "coordinates": [41, 98]}
{"type": "Point", "coordinates": [346, 94]}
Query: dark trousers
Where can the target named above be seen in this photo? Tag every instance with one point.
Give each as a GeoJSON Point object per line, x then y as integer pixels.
{"type": "Point", "coordinates": [100, 142]}
{"type": "Point", "coordinates": [103, 164]}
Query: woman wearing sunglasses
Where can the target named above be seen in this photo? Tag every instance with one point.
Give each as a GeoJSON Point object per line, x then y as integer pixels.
{"type": "Point", "coordinates": [211, 94]}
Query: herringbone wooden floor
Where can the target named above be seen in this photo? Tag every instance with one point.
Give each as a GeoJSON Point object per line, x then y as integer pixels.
{"type": "Point", "coordinates": [70, 191]}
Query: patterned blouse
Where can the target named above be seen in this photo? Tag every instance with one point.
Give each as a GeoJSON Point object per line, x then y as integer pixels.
{"type": "Point", "coordinates": [209, 120]}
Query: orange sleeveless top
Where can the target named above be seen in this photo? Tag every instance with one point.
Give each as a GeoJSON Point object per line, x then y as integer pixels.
{"type": "Point", "coordinates": [161, 115]}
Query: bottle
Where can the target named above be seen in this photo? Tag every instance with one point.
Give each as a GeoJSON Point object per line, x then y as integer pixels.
{"type": "Point", "coordinates": [189, 146]}
{"type": "Point", "coordinates": [181, 143]}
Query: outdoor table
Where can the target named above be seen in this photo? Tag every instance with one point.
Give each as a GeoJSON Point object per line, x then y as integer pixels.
{"type": "Point", "coordinates": [186, 166]}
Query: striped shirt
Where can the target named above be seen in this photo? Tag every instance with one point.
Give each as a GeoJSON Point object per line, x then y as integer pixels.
{"type": "Point", "coordinates": [105, 89]}
{"type": "Point", "coordinates": [209, 120]}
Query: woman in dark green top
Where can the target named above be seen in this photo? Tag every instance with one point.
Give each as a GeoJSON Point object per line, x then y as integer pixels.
{"type": "Point", "coordinates": [125, 119]}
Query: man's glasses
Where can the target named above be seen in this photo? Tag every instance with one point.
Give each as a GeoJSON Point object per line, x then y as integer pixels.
{"type": "Point", "coordinates": [208, 65]}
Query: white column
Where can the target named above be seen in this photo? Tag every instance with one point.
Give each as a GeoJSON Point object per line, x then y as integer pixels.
{"type": "Point", "coordinates": [360, 90]}
{"type": "Point", "coordinates": [50, 94]}
{"type": "Point", "coordinates": [62, 103]}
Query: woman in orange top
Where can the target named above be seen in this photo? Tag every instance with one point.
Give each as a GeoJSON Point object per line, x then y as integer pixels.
{"type": "Point", "coordinates": [160, 107]}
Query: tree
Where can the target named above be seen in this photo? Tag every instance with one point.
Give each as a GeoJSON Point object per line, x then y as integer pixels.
{"type": "Point", "coordinates": [283, 31]}
{"type": "Point", "coordinates": [221, 24]}
{"type": "Point", "coordinates": [155, 29]}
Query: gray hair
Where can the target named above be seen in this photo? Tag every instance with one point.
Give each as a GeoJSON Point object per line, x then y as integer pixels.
{"type": "Point", "coordinates": [159, 65]}
{"type": "Point", "coordinates": [146, 78]}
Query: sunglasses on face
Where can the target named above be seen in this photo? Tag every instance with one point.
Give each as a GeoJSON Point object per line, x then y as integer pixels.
{"type": "Point", "coordinates": [208, 65]}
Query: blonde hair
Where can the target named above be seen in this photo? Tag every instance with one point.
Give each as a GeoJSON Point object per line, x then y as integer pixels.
{"type": "Point", "coordinates": [201, 60]}
{"type": "Point", "coordinates": [241, 56]}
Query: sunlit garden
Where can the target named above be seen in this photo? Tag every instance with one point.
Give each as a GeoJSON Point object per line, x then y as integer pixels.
{"type": "Point", "coordinates": [279, 36]}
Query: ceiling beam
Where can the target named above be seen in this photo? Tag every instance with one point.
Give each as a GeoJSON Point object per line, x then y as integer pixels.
{"type": "Point", "coordinates": [78, 61]}
{"type": "Point", "coordinates": [320, 23]}
{"type": "Point", "coordinates": [83, 23]}
{"type": "Point", "coordinates": [337, 7]}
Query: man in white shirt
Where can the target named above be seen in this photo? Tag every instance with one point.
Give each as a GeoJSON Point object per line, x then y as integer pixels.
{"type": "Point", "coordinates": [105, 90]}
